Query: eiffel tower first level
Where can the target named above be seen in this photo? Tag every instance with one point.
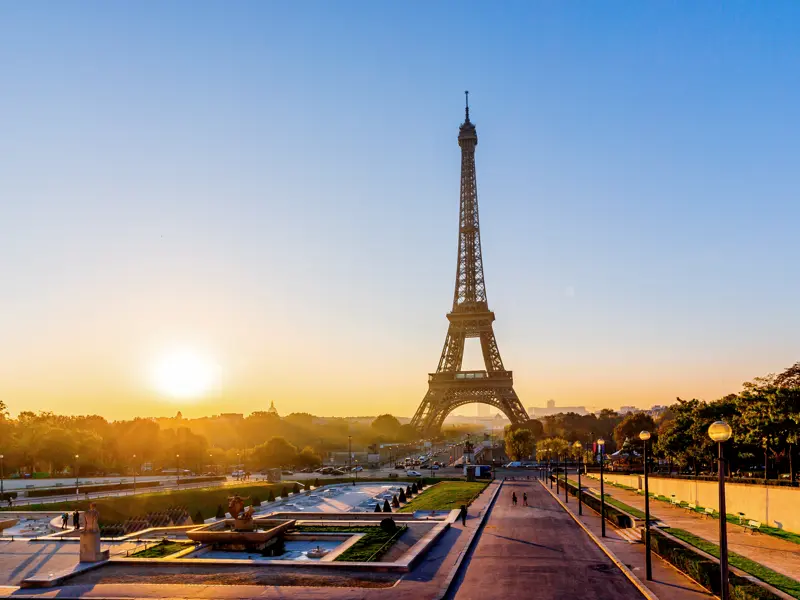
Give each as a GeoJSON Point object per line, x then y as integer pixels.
{"type": "Point", "coordinates": [450, 387]}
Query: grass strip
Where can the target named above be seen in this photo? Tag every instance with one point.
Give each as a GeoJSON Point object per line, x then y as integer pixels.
{"type": "Point", "coordinates": [446, 495]}
{"type": "Point", "coordinates": [639, 514]}
{"type": "Point", "coordinates": [765, 574]}
{"type": "Point", "coordinates": [372, 545]}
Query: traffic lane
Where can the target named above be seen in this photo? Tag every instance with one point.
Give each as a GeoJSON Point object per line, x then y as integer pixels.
{"type": "Point", "coordinates": [538, 551]}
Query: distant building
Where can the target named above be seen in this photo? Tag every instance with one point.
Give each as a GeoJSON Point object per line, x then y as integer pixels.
{"type": "Point", "coordinates": [657, 410]}
{"type": "Point", "coordinates": [484, 410]}
{"type": "Point", "coordinates": [551, 409]}
{"type": "Point", "coordinates": [624, 410]}
{"type": "Point", "coordinates": [272, 410]}
{"type": "Point", "coordinates": [231, 416]}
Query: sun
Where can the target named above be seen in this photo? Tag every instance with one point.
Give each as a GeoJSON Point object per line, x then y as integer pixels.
{"type": "Point", "coordinates": [184, 373]}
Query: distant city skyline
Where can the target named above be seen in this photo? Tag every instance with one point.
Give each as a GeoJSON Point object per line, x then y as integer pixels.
{"type": "Point", "coordinates": [262, 206]}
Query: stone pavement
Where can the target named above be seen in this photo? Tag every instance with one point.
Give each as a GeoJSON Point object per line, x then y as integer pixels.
{"type": "Point", "coordinates": [426, 581]}
{"type": "Point", "coordinates": [667, 581]}
{"type": "Point", "coordinates": [777, 554]}
{"type": "Point", "coordinates": [21, 558]}
{"type": "Point", "coordinates": [538, 551]}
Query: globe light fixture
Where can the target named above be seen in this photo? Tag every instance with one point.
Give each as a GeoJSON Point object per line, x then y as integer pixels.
{"type": "Point", "coordinates": [644, 436]}
{"type": "Point", "coordinates": [720, 431]}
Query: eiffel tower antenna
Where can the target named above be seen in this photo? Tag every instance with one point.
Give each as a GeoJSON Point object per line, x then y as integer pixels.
{"type": "Point", "coordinates": [450, 387]}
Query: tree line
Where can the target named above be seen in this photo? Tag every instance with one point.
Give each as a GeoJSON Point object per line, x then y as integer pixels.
{"type": "Point", "coordinates": [764, 417]}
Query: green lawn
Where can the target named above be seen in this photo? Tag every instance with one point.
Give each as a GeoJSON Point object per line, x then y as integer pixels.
{"type": "Point", "coordinates": [375, 543]}
{"type": "Point", "coordinates": [783, 583]}
{"type": "Point", "coordinates": [160, 550]}
{"type": "Point", "coordinates": [446, 495]}
{"type": "Point", "coordinates": [205, 500]}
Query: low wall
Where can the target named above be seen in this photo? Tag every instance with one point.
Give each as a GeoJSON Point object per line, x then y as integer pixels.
{"type": "Point", "coordinates": [773, 505]}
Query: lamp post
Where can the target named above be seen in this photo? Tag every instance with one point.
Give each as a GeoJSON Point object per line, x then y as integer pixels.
{"type": "Point", "coordinates": [178, 470]}
{"type": "Point", "coordinates": [2, 475]}
{"type": "Point", "coordinates": [720, 431]}
{"type": "Point", "coordinates": [578, 448]}
{"type": "Point", "coordinates": [644, 436]}
{"type": "Point", "coordinates": [600, 443]}
{"type": "Point", "coordinates": [350, 453]}
{"type": "Point", "coordinates": [566, 463]}
{"type": "Point", "coordinates": [134, 475]}
{"type": "Point", "coordinates": [77, 492]}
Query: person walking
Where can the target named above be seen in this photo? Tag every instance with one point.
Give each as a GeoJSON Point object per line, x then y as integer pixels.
{"type": "Point", "coordinates": [463, 515]}
{"type": "Point", "coordinates": [514, 498]}
{"type": "Point", "coordinates": [64, 520]}
{"type": "Point", "coordinates": [525, 499]}
{"type": "Point", "coordinates": [76, 520]}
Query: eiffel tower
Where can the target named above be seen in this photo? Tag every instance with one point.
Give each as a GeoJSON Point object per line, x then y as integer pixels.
{"type": "Point", "coordinates": [450, 387]}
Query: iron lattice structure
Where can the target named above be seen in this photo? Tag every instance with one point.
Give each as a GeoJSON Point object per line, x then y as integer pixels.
{"type": "Point", "coordinates": [450, 387]}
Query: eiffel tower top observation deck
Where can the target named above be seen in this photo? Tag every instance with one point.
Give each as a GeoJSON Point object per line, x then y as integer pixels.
{"type": "Point", "coordinates": [450, 387]}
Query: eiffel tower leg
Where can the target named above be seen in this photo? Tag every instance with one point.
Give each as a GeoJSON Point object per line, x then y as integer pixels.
{"type": "Point", "coordinates": [426, 411]}
{"type": "Point", "coordinates": [512, 406]}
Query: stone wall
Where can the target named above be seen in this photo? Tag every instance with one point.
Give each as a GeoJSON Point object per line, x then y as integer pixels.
{"type": "Point", "coordinates": [773, 505]}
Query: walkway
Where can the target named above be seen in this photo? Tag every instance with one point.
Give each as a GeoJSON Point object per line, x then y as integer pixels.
{"type": "Point", "coordinates": [538, 551]}
{"type": "Point", "coordinates": [777, 554]}
{"type": "Point", "coordinates": [667, 581]}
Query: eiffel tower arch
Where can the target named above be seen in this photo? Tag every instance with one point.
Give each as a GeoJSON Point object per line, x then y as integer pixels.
{"type": "Point", "coordinates": [450, 387]}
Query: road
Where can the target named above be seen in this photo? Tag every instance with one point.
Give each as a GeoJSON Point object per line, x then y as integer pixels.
{"type": "Point", "coordinates": [538, 551]}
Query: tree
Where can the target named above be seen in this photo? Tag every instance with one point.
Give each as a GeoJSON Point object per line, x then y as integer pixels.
{"type": "Point", "coordinates": [386, 507]}
{"type": "Point", "coordinates": [277, 452]}
{"type": "Point", "coordinates": [519, 442]}
{"type": "Point", "coordinates": [386, 425]}
{"type": "Point", "coordinates": [632, 425]}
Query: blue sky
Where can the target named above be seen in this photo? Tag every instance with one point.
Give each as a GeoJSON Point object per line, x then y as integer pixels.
{"type": "Point", "coordinates": [276, 185]}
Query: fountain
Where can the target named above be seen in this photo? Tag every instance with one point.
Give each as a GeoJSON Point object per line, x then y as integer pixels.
{"type": "Point", "coordinates": [317, 552]}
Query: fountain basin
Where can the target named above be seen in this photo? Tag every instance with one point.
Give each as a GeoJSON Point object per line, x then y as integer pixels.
{"type": "Point", "coordinates": [225, 533]}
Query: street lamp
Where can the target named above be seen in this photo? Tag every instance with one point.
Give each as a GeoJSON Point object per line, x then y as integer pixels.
{"type": "Point", "coordinates": [178, 470]}
{"type": "Point", "coordinates": [566, 462]}
{"type": "Point", "coordinates": [2, 495]}
{"type": "Point", "coordinates": [720, 431]}
{"type": "Point", "coordinates": [134, 475]}
{"type": "Point", "coordinates": [644, 436]}
{"type": "Point", "coordinates": [77, 493]}
{"type": "Point", "coordinates": [350, 454]}
{"type": "Point", "coordinates": [578, 447]}
{"type": "Point", "coordinates": [600, 443]}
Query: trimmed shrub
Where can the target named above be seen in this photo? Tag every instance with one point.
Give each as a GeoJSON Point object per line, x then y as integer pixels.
{"type": "Point", "coordinates": [198, 518]}
{"type": "Point", "coordinates": [395, 502]}
{"type": "Point", "coordinates": [220, 512]}
{"type": "Point", "coordinates": [377, 507]}
{"type": "Point", "coordinates": [414, 488]}
{"type": "Point", "coordinates": [256, 501]}
{"type": "Point", "coordinates": [316, 482]}
{"type": "Point", "coordinates": [408, 490]}
{"type": "Point", "coordinates": [296, 488]}
{"type": "Point", "coordinates": [402, 497]}
{"type": "Point", "coordinates": [284, 493]}
{"type": "Point", "coordinates": [386, 507]}
{"type": "Point", "coordinates": [388, 525]}
{"type": "Point", "coordinates": [271, 497]}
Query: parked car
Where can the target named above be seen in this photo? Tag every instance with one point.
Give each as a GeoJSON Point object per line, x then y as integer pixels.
{"type": "Point", "coordinates": [435, 467]}
{"type": "Point", "coordinates": [357, 469]}
{"type": "Point", "coordinates": [413, 473]}
{"type": "Point", "coordinates": [339, 472]}
{"type": "Point", "coordinates": [287, 472]}
{"type": "Point", "coordinates": [400, 466]}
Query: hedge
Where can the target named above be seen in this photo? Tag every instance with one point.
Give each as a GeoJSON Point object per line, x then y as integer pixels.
{"type": "Point", "coordinates": [613, 514]}
{"type": "Point", "coordinates": [90, 489]}
{"type": "Point", "coordinates": [703, 570]}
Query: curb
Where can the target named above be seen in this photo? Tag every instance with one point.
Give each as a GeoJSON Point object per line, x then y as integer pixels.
{"type": "Point", "coordinates": [448, 582]}
{"type": "Point", "coordinates": [646, 592]}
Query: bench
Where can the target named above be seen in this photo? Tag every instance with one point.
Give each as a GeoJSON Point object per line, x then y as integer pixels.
{"type": "Point", "coordinates": [675, 501]}
{"type": "Point", "coordinates": [752, 526]}
{"type": "Point", "coordinates": [691, 507]}
{"type": "Point", "coordinates": [709, 512]}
